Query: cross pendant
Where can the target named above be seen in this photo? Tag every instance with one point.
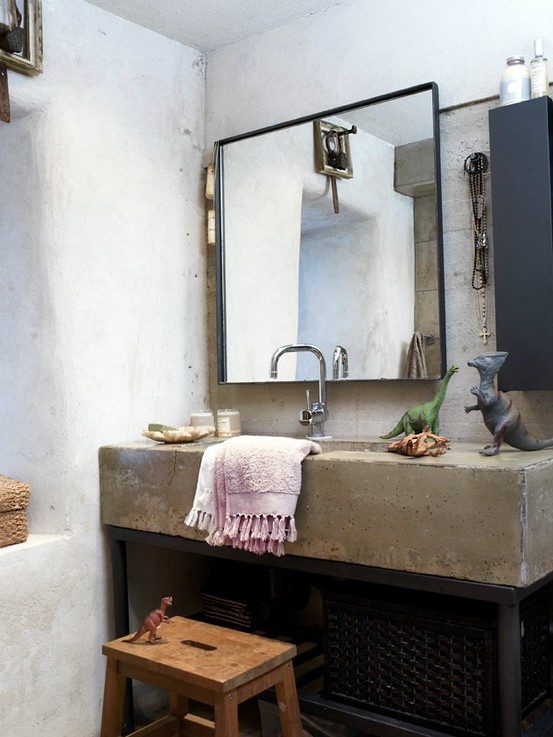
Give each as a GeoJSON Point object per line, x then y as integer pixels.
{"type": "Point", "coordinates": [484, 334]}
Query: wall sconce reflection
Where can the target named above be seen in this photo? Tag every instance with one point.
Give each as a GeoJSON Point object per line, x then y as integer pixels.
{"type": "Point", "coordinates": [333, 154]}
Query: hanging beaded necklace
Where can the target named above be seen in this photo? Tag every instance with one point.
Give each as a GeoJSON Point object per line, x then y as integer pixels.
{"type": "Point", "coordinates": [476, 165]}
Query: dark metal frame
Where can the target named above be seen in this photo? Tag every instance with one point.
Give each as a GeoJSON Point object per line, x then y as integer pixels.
{"type": "Point", "coordinates": [507, 599]}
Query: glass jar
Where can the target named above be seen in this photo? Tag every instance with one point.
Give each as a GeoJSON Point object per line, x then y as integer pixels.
{"type": "Point", "coordinates": [228, 423]}
{"type": "Point", "coordinates": [202, 418]}
{"type": "Point", "coordinates": [515, 82]}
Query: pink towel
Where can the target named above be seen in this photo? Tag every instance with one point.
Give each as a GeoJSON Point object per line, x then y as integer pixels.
{"type": "Point", "coordinates": [256, 489]}
{"type": "Point", "coordinates": [201, 514]}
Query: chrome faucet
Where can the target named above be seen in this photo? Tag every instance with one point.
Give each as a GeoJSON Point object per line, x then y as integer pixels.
{"type": "Point", "coordinates": [340, 363]}
{"type": "Point", "coordinates": [316, 413]}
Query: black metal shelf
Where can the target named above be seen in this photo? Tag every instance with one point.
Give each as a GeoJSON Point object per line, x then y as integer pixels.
{"type": "Point", "coordinates": [506, 600]}
{"type": "Point", "coordinates": [521, 156]}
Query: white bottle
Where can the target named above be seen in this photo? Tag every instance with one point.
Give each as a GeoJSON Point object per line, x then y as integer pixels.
{"type": "Point", "coordinates": [539, 70]}
{"type": "Point", "coordinates": [515, 82]}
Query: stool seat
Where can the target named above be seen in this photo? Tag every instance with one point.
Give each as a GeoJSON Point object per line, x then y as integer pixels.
{"type": "Point", "coordinates": [213, 665]}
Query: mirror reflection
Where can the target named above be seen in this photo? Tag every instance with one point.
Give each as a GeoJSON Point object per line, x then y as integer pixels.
{"type": "Point", "coordinates": [329, 234]}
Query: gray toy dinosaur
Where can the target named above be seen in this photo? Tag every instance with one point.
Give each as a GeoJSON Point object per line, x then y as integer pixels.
{"type": "Point", "coordinates": [423, 416]}
{"type": "Point", "coordinates": [500, 417]}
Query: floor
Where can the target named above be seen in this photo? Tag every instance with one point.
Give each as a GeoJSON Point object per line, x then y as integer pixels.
{"type": "Point", "coordinates": [260, 719]}
{"type": "Point", "coordinates": [257, 718]}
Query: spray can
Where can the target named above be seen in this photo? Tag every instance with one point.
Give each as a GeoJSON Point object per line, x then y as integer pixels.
{"type": "Point", "coordinates": [539, 71]}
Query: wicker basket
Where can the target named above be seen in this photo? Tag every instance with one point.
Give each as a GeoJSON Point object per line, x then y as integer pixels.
{"type": "Point", "coordinates": [428, 661]}
{"type": "Point", "coordinates": [14, 498]}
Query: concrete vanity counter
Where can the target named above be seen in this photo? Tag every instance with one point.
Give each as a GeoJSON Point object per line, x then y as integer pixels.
{"type": "Point", "coordinates": [459, 515]}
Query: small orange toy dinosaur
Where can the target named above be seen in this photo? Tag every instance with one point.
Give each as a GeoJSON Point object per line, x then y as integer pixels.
{"type": "Point", "coordinates": [420, 444]}
{"type": "Point", "coordinates": [152, 621]}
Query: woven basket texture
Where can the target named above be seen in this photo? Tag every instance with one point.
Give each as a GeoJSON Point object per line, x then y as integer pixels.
{"type": "Point", "coordinates": [13, 527]}
{"type": "Point", "coordinates": [13, 494]}
{"type": "Point", "coordinates": [14, 498]}
{"type": "Point", "coordinates": [430, 661]}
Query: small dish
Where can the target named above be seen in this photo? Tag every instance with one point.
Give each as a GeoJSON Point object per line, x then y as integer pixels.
{"type": "Point", "coordinates": [187, 434]}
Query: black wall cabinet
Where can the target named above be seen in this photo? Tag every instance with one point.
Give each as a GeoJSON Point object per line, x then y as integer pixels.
{"type": "Point", "coordinates": [521, 138]}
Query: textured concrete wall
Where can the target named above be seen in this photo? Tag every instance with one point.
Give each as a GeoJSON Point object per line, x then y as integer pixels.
{"type": "Point", "coordinates": [102, 331]}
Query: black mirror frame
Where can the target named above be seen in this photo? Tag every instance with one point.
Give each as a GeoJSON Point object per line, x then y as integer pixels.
{"type": "Point", "coordinates": [219, 226]}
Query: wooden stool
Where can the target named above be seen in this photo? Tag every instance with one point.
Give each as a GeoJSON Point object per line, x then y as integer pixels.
{"type": "Point", "coordinates": [213, 665]}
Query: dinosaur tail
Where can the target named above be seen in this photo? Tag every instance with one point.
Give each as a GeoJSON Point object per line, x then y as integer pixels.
{"type": "Point", "coordinates": [396, 431]}
{"type": "Point", "coordinates": [530, 443]}
{"type": "Point", "coordinates": [545, 443]}
{"type": "Point", "coordinates": [134, 638]}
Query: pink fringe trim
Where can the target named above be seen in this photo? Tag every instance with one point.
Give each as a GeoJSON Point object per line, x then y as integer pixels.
{"type": "Point", "coordinates": [256, 533]}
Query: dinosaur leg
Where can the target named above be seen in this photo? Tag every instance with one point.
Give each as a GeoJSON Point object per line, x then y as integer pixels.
{"type": "Point", "coordinates": [408, 428]}
{"type": "Point", "coordinates": [153, 636]}
{"type": "Point", "coordinates": [493, 449]}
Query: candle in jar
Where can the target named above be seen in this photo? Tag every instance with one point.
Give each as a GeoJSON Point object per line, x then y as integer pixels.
{"type": "Point", "coordinates": [202, 418]}
{"type": "Point", "coordinates": [228, 423]}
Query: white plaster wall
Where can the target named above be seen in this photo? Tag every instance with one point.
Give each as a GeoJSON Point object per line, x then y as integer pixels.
{"type": "Point", "coordinates": [372, 287]}
{"type": "Point", "coordinates": [102, 282]}
{"type": "Point", "coordinates": [350, 53]}
{"type": "Point", "coordinates": [360, 49]}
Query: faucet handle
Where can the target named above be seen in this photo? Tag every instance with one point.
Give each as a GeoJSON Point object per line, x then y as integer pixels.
{"type": "Point", "coordinates": [305, 416]}
{"type": "Point", "coordinates": [313, 414]}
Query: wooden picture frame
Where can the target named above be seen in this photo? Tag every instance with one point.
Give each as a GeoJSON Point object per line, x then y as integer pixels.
{"type": "Point", "coordinates": [322, 165]}
{"type": "Point", "coordinates": [29, 61]}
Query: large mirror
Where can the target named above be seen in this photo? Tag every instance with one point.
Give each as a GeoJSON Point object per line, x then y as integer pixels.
{"type": "Point", "coordinates": [329, 233]}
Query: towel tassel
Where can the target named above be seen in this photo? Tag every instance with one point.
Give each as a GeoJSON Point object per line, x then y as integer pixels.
{"type": "Point", "coordinates": [232, 525]}
{"type": "Point", "coordinates": [204, 522]}
{"type": "Point", "coordinates": [274, 527]}
{"type": "Point", "coordinates": [292, 532]}
{"type": "Point", "coordinates": [246, 528]}
{"type": "Point", "coordinates": [192, 518]}
{"type": "Point", "coordinates": [216, 538]}
{"type": "Point", "coordinates": [256, 527]}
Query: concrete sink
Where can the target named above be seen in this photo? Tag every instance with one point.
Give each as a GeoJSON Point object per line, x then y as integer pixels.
{"type": "Point", "coordinates": [458, 515]}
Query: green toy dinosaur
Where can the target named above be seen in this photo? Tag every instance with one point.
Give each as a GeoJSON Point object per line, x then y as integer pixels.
{"type": "Point", "coordinates": [423, 416]}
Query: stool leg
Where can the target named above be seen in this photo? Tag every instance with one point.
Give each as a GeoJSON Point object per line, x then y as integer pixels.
{"type": "Point", "coordinates": [288, 706]}
{"type": "Point", "coordinates": [178, 707]}
{"type": "Point", "coordinates": [226, 715]}
{"type": "Point", "coordinates": [114, 700]}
